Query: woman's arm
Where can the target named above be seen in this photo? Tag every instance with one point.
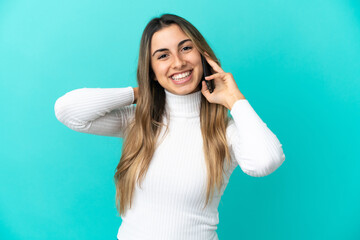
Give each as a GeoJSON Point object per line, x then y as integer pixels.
{"type": "Point", "coordinates": [253, 145]}
{"type": "Point", "coordinates": [99, 111]}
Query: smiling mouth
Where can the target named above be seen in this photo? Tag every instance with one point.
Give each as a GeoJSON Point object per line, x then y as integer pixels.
{"type": "Point", "coordinates": [183, 80]}
{"type": "Point", "coordinates": [182, 76]}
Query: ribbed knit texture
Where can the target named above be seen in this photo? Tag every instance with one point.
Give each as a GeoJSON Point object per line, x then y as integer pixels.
{"type": "Point", "coordinates": [169, 203]}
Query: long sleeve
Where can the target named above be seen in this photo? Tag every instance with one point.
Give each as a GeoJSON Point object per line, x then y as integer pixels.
{"type": "Point", "coordinates": [99, 111]}
{"type": "Point", "coordinates": [254, 147]}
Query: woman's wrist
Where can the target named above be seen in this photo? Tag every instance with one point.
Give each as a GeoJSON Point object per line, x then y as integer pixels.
{"type": "Point", "coordinates": [136, 94]}
{"type": "Point", "coordinates": [234, 98]}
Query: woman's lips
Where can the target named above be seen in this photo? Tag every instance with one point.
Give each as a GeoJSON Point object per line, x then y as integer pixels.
{"type": "Point", "coordinates": [183, 80]}
{"type": "Point", "coordinates": [190, 70]}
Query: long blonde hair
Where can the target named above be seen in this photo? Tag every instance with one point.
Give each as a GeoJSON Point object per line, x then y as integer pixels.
{"type": "Point", "coordinates": [142, 132]}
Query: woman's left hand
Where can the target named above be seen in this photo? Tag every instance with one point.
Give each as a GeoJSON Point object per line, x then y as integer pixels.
{"type": "Point", "coordinates": [226, 91]}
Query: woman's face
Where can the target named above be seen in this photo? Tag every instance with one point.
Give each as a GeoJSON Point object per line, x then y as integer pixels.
{"type": "Point", "coordinates": [173, 57]}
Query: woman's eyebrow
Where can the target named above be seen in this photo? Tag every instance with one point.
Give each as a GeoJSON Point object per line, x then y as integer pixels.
{"type": "Point", "coordinates": [165, 49]}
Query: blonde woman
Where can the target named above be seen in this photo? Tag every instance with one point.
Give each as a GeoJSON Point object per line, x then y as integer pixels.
{"type": "Point", "coordinates": [180, 145]}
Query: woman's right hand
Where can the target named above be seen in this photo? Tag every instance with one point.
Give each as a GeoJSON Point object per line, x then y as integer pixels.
{"type": "Point", "coordinates": [136, 94]}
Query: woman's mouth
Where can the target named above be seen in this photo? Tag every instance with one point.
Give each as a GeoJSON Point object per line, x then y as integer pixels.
{"type": "Point", "coordinates": [182, 78]}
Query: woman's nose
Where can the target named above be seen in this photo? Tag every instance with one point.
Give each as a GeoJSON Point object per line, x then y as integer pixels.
{"type": "Point", "coordinates": [178, 62]}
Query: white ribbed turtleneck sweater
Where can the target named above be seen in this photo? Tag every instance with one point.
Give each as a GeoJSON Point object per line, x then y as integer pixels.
{"type": "Point", "coordinates": [169, 203]}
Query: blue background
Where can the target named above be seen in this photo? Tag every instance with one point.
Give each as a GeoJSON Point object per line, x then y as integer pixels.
{"type": "Point", "coordinates": [297, 63]}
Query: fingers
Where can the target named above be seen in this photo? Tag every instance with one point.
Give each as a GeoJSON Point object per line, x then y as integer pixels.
{"type": "Point", "coordinates": [215, 75]}
{"type": "Point", "coordinates": [204, 89]}
{"type": "Point", "coordinates": [212, 63]}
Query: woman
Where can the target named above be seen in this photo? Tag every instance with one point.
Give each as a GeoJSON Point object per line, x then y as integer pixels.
{"type": "Point", "coordinates": [180, 146]}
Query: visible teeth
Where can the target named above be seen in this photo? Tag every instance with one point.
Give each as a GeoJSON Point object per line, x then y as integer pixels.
{"type": "Point", "coordinates": [182, 75]}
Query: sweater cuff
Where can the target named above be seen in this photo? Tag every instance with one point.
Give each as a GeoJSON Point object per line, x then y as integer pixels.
{"type": "Point", "coordinates": [243, 112]}
{"type": "Point", "coordinates": [132, 94]}
{"type": "Point", "coordinates": [238, 105]}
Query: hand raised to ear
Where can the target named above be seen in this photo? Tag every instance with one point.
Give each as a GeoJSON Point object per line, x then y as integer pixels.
{"type": "Point", "coordinates": [226, 91]}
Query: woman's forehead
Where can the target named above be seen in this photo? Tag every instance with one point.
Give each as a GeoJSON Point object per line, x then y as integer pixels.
{"type": "Point", "coordinates": [167, 37]}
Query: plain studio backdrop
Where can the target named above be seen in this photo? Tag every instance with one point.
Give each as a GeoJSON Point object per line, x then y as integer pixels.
{"type": "Point", "coordinates": [297, 63]}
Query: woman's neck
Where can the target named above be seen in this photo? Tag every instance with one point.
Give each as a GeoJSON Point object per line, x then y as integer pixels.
{"type": "Point", "coordinates": [183, 105]}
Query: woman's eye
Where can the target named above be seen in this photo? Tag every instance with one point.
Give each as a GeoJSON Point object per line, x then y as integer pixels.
{"type": "Point", "coordinates": [187, 47]}
{"type": "Point", "coordinates": [161, 56]}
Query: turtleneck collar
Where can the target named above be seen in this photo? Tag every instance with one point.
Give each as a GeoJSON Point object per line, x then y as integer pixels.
{"type": "Point", "coordinates": [183, 105]}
